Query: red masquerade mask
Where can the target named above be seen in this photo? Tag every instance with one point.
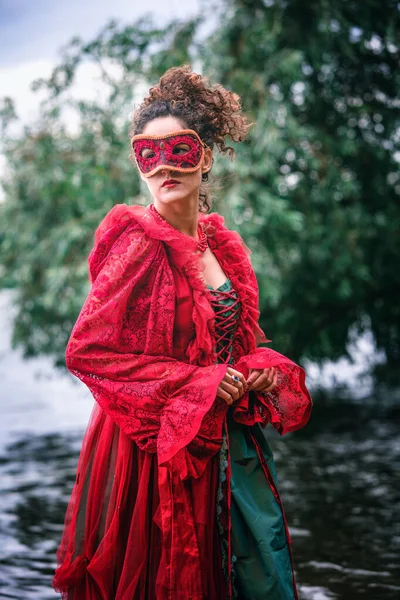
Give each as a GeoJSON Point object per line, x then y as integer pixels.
{"type": "Point", "coordinates": [182, 151]}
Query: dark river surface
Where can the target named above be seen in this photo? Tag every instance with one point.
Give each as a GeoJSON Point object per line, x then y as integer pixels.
{"type": "Point", "coordinates": [338, 477]}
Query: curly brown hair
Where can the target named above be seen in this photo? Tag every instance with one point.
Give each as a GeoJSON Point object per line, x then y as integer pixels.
{"type": "Point", "coordinates": [211, 110]}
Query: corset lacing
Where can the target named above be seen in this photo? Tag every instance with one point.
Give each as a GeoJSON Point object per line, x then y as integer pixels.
{"type": "Point", "coordinates": [226, 306]}
{"type": "Point", "coordinates": [224, 324]}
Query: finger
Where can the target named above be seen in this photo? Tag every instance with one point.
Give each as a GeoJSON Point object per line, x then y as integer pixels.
{"type": "Point", "coordinates": [224, 395]}
{"type": "Point", "coordinates": [260, 383]}
{"type": "Point", "coordinates": [253, 376]}
{"type": "Point", "coordinates": [264, 379]}
{"type": "Point", "coordinates": [231, 389]}
{"type": "Point", "coordinates": [233, 371]}
{"type": "Point", "coordinates": [270, 384]}
{"type": "Point", "coordinates": [235, 382]}
{"type": "Point", "coordinates": [273, 385]}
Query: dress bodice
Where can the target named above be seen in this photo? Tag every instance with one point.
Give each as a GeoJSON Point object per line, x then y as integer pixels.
{"type": "Point", "coordinates": [226, 306]}
{"type": "Point", "coordinates": [248, 495]}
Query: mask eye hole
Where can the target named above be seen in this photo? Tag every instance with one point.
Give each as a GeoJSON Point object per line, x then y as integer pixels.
{"type": "Point", "coordinates": [147, 153]}
{"type": "Point", "coordinates": [181, 148]}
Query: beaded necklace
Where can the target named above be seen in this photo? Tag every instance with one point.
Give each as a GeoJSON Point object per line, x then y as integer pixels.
{"type": "Point", "coordinates": [201, 243]}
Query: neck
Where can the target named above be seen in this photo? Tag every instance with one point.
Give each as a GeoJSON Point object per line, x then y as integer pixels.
{"type": "Point", "coordinates": [184, 217]}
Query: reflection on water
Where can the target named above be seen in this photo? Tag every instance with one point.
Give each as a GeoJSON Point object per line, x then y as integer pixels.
{"type": "Point", "coordinates": [337, 478]}
{"type": "Point", "coordinates": [36, 474]}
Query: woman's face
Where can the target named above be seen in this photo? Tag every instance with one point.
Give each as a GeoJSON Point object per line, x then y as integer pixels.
{"type": "Point", "coordinates": [189, 183]}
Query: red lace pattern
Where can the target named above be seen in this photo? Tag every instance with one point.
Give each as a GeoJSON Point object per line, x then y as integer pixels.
{"type": "Point", "coordinates": [121, 347]}
{"type": "Point", "coordinates": [191, 158]}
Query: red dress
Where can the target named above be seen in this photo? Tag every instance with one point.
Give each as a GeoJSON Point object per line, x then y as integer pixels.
{"type": "Point", "coordinates": [140, 523]}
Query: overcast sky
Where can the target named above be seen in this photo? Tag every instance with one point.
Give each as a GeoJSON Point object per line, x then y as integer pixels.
{"type": "Point", "coordinates": [32, 32]}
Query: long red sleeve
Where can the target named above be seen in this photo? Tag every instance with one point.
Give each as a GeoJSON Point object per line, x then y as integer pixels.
{"type": "Point", "coordinates": [288, 406]}
{"type": "Point", "coordinates": [121, 345]}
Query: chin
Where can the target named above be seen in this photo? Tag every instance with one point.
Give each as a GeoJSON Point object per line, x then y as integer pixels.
{"type": "Point", "coordinates": [167, 195]}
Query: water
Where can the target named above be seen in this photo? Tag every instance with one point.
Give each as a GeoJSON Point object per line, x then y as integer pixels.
{"type": "Point", "coordinates": [338, 479]}
{"type": "Point", "coordinates": [37, 474]}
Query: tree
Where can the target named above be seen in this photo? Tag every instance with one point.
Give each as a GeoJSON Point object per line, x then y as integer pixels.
{"type": "Point", "coordinates": [318, 183]}
{"type": "Point", "coordinates": [314, 190]}
{"type": "Point", "coordinates": [60, 185]}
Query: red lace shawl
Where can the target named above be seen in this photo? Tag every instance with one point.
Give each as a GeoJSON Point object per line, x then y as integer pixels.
{"type": "Point", "coordinates": [144, 344]}
{"type": "Point", "coordinates": [121, 346]}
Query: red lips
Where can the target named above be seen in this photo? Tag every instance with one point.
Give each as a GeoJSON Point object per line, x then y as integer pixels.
{"type": "Point", "coordinates": [169, 182]}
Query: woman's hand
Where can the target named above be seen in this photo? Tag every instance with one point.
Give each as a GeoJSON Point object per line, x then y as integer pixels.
{"type": "Point", "coordinates": [262, 380]}
{"type": "Point", "coordinates": [230, 389]}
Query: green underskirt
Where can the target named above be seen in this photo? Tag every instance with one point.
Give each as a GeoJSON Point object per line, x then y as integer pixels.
{"type": "Point", "coordinates": [261, 558]}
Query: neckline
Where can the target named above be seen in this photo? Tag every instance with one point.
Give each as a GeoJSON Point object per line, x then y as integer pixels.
{"type": "Point", "coordinates": [226, 282]}
{"type": "Point", "coordinates": [200, 243]}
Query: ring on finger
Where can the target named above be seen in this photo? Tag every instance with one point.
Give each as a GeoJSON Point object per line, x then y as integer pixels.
{"type": "Point", "coordinates": [236, 380]}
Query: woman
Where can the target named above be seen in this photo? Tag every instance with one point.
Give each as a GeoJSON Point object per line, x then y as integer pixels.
{"type": "Point", "coordinates": [175, 495]}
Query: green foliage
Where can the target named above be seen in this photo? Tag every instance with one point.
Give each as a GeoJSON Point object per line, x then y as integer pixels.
{"type": "Point", "coordinates": [59, 190]}
{"type": "Point", "coordinates": [314, 190]}
{"type": "Point", "coordinates": [318, 185]}
{"type": "Point", "coordinates": [59, 186]}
